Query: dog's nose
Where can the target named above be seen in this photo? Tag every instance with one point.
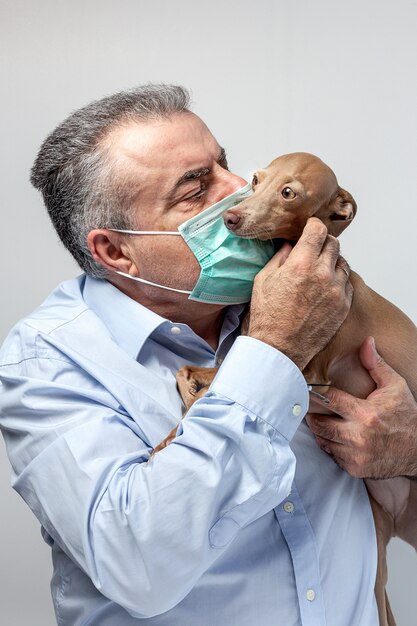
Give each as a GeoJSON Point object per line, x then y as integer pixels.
{"type": "Point", "coordinates": [231, 219]}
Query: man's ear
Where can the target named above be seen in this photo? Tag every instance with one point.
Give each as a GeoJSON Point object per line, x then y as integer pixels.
{"type": "Point", "coordinates": [340, 212]}
{"type": "Point", "coordinates": [108, 250]}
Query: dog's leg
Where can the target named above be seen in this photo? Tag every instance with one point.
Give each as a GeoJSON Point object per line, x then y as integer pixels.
{"type": "Point", "coordinates": [384, 529]}
{"type": "Point", "coordinates": [193, 382]}
{"type": "Point", "coordinates": [164, 443]}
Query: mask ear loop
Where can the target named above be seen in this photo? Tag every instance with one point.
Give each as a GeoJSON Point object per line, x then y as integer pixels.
{"type": "Point", "coordinates": [148, 282]}
{"type": "Point", "coordinates": [144, 232]}
{"type": "Point", "coordinates": [142, 280]}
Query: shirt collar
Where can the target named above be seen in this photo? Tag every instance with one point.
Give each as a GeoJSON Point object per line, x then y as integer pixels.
{"type": "Point", "coordinates": [131, 323]}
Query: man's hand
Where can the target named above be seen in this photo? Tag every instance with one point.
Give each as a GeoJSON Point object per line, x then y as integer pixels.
{"type": "Point", "coordinates": [376, 437]}
{"type": "Point", "coordinates": [301, 297]}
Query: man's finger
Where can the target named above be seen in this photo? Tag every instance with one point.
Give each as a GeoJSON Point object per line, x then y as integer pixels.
{"type": "Point", "coordinates": [334, 449]}
{"type": "Point", "coordinates": [330, 251]}
{"type": "Point", "coordinates": [380, 371]}
{"type": "Point", "coordinates": [342, 269]}
{"type": "Point", "coordinates": [327, 428]}
{"type": "Point", "coordinates": [341, 402]}
{"type": "Point", "coordinates": [281, 256]}
{"type": "Point", "coordinates": [312, 239]}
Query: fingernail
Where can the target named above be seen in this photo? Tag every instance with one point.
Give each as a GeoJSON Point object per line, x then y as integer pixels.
{"type": "Point", "coordinates": [318, 395]}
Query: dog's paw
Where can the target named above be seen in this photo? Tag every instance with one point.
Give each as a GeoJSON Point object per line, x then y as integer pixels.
{"type": "Point", "coordinates": [193, 382]}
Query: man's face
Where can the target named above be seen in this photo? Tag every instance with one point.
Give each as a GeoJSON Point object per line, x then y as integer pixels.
{"type": "Point", "coordinates": [176, 169]}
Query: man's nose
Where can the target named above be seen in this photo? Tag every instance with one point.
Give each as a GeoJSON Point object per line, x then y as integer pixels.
{"type": "Point", "coordinates": [228, 183]}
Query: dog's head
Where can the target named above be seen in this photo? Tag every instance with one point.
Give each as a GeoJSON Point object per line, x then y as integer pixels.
{"type": "Point", "coordinates": [291, 189]}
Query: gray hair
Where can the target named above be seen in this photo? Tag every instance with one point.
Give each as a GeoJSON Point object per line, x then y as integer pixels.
{"type": "Point", "coordinates": [78, 181]}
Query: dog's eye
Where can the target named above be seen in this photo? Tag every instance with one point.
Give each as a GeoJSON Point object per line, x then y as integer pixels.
{"type": "Point", "coordinates": [254, 181]}
{"type": "Point", "coordinates": [288, 193]}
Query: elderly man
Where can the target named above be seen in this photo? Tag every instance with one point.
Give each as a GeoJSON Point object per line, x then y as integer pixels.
{"type": "Point", "coordinates": [243, 518]}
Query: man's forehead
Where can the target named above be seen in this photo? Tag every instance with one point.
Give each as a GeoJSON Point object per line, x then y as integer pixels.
{"type": "Point", "coordinates": [155, 159]}
{"type": "Point", "coordinates": [152, 142]}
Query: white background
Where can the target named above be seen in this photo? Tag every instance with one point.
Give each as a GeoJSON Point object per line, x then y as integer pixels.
{"type": "Point", "coordinates": [334, 78]}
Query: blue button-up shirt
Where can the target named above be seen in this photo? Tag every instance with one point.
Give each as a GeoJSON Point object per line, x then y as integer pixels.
{"type": "Point", "coordinates": [241, 520]}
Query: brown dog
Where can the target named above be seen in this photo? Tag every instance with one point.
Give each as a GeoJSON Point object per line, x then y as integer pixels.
{"type": "Point", "coordinates": [291, 189]}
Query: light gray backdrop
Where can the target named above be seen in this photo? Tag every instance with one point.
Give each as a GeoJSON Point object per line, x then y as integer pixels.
{"type": "Point", "coordinates": [334, 78]}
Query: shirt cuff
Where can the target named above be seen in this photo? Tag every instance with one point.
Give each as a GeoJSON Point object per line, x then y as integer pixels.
{"type": "Point", "coordinates": [264, 381]}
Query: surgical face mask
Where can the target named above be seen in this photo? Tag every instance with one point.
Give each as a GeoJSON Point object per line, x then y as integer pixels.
{"type": "Point", "coordinates": [228, 264]}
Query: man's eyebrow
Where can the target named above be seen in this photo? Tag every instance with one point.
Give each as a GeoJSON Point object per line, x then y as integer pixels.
{"type": "Point", "coordinates": [222, 158]}
{"type": "Point", "coordinates": [191, 175]}
{"type": "Point", "coordinates": [202, 171]}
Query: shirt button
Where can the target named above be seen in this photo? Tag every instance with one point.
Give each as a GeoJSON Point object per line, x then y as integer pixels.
{"type": "Point", "coordinates": [175, 330]}
{"type": "Point", "coordinates": [288, 507]}
{"type": "Point", "coordinates": [296, 410]}
{"type": "Point", "coordinates": [310, 595]}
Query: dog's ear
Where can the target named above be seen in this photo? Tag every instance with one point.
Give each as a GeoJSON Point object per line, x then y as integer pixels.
{"type": "Point", "coordinates": [341, 211]}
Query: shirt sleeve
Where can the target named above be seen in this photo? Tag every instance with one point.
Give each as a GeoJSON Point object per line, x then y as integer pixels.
{"type": "Point", "coordinates": [145, 532]}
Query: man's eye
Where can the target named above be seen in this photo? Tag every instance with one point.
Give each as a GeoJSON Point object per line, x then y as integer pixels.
{"type": "Point", "coordinates": [288, 193]}
{"type": "Point", "coordinates": [195, 195]}
{"type": "Point", "coordinates": [255, 181]}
